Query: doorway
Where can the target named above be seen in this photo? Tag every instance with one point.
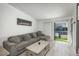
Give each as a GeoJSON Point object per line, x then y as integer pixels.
{"type": "Point", "coordinates": [61, 31]}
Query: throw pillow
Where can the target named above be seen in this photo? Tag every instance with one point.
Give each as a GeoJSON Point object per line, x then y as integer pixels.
{"type": "Point", "coordinates": [26, 37]}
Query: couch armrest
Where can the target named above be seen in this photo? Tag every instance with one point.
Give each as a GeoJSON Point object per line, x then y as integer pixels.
{"type": "Point", "coordinates": [9, 46]}
{"type": "Point", "coordinates": [48, 37]}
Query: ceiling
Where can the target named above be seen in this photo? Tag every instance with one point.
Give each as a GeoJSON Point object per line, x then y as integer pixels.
{"type": "Point", "coordinates": [46, 10]}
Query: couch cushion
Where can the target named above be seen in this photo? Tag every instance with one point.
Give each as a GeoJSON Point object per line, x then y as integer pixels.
{"type": "Point", "coordinates": [26, 37]}
{"type": "Point", "coordinates": [33, 35]}
{"type": "Point", "coordinates": [33, 40]}
{"type": "Point", "coordinates": [22, 45]}
{"type": "Point", "coordinates": [15, 39]}
{"type": "Point", "coordinates": [39, 33]}
{"type": "Point", "coordinates": [44, 37]}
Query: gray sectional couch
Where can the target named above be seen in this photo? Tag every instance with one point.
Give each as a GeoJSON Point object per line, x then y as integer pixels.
{"type": "Point", "coordinates": [15, 45]}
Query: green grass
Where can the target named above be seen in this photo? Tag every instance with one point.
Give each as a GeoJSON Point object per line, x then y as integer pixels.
{"type": "Point", "coordinates": [63, 38]}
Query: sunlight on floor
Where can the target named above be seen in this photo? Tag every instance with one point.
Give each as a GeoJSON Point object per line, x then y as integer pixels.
{"type": "Point", "coordinates": [60, 49]}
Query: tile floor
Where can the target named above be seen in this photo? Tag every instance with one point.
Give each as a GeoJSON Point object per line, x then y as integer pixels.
{"type": "Point", "coordinates": [57, 49]}
{"type": "Point", "coordinates": [60, 49]}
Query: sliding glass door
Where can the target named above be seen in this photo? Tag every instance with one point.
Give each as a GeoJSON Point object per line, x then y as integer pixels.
{"type": "Point", "coordinates": [60, 31]}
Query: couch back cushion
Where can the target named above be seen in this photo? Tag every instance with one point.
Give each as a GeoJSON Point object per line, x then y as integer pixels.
{"type": "Point", "coordinates": [39, 33]}
{"type": "Point", "coordinates": [26, 37]}
{"type": "Point", "coordinates": [15, 39]}
{"type": "Point", "coordinates": [33, 35]}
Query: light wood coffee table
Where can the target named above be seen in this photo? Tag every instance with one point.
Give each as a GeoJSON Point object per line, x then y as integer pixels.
{"type": "Point", "coordinates": [37, 48]}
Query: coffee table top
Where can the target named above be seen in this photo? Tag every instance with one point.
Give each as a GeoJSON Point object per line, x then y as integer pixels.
{"type": "Point", "coordinates": [36, 48]}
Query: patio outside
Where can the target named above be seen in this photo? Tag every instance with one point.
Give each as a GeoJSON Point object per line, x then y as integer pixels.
{"type": "Point", "coordinates": [61, 32]}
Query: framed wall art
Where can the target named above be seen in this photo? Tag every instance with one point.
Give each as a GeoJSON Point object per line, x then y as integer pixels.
{"type": "Point", "coordinates": [23, 22]}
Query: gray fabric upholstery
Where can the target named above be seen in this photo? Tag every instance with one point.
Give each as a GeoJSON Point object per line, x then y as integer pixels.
{"type": "Point", "coordinates": [15, 39]}
{"type": "Point", "coordinates": [44, 38]}
{"type": "Point", "coordinates": [33, 35]}
{"type": "Point", "coordinates": [22, 45]}
{"type": "Point", "coordinates": [16, 44]}
{"type": "Point", "coordinates": [8, 45]}
{"type": "Point", "coordinates": [39, 33]}
{"type": "Point", "coordinates": [26, 37]}
{"type": "Point", "coordinates": [33, 40]}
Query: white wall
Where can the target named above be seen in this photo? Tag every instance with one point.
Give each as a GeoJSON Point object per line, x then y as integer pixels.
{"type": "Point", "coordinates": [74, 30]}
{"type": "Point", "coordinates": [70, 33]}
{"type": "Point", "coordinates": [8, 22]}
{"type": "Point", "coordinates": [47, 28]}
